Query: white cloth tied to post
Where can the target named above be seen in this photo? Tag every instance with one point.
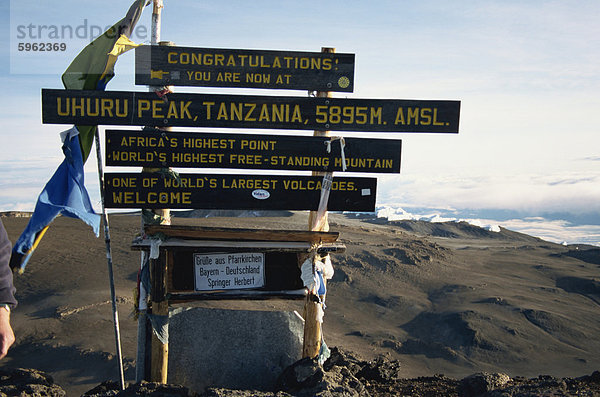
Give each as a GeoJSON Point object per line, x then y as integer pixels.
{"type": "Point", "coordinates": [313, 270]}
{"type": "Point", "coordinates": [314, 282]}
{"type": "Point", "coordinates": [155, 247]}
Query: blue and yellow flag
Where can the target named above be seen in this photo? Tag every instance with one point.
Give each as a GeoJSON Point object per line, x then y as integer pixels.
{"type": "Point", "coordinates": [64, 194]}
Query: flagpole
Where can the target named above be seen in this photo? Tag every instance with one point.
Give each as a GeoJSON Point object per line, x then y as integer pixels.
{"type": "Point", "coordinates": [156, 21]}
{"type": "Point", "coordinates": [110, 262]}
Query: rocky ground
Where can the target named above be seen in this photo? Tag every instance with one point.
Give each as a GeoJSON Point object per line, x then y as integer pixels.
{"type": "Point", "coordinates": [341, 375]}
{"type": "Point", "coordinates": [408, 299]}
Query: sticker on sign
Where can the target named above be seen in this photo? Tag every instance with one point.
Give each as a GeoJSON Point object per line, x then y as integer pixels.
{"type": "Point", "coordinates": [261, 194]}
{"type": "Point", "coordinates": [239, 270]}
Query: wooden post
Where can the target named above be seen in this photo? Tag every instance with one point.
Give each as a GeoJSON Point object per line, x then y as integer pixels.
{"type": "Point", "coordinates": [159, 357]}
{"type": "Point", "coordinates": [163, 213]}
{"type": "Point", "coordinates": [316, 222]}
{"type": "Point", "coordinates": [160, 307]}
{"type": "Point", "coordinates": [160, 351]}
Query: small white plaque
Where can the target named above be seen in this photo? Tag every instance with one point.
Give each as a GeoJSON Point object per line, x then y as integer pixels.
{"type": "Point", "coordinates": [237, 270]}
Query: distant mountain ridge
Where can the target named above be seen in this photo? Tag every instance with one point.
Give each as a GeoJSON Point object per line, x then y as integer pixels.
{"type": "Point", "coordinates": [15, 214]}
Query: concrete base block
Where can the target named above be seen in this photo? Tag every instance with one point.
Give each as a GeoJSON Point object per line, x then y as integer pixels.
{"type": "Point", "coordinates": [231, 348]}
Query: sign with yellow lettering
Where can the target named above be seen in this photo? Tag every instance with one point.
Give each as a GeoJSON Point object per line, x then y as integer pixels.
{"type": "Point", "coordinates": [247, 111]}
{"type": "Point", "coordinates": [241, 192]}
{"type": "Point", "coordinates": [217, 67]}
{"type": "Point", "coordinates": [284, 152]}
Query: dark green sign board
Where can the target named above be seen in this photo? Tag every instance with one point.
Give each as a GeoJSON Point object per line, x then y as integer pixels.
{"type": "Point", "coordinates": [217, 67]}
{"type": "Point", "coordinates": [155, 148]}
{"type": "Point", "coordinates": [240, 192]}
{"type": "Point", "coordinates": [247, 111]}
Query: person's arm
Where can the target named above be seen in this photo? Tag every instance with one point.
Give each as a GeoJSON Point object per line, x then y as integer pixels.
{"type": "Point", "coordinates": [7, 293]}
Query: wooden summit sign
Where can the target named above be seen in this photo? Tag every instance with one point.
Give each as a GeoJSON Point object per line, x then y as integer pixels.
{"type": "Point", "coordinates": [216, 67]}
{"type": "Point", "coordinates": [240, 192]}
{"type": "Point", "coordinates": [248, 111]}
{"type": "Point", "coordinates": [245, 151]}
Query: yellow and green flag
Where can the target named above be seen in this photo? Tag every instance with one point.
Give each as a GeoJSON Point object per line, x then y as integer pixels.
{"type": "Point", "coordinates": [93, 68]}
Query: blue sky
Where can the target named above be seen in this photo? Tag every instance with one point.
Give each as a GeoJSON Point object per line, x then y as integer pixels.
{"type": "Point", "coordinates": [526, 73]}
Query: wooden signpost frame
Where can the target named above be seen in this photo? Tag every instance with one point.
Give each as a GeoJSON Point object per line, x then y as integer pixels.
{"type": "Point", "coordinates": [301, 244]}
{"type": "Point", "coordinates": [320, 113]}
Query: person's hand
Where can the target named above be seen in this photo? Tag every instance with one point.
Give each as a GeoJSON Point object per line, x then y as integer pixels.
{"type": "Point", "coordinates": [7, 337]}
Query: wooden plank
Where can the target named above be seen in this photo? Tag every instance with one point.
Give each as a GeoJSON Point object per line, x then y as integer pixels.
{"type": "Point", "coordinates": [243, 151]}
{"type": "Point", "coordinates": [225, 191]}
{"type": "Point", "coordinates": [82, 107]}
{"type": "Point", "coordinates": [221, 67]}
{"type": "Point", "coordinates": [208, 233]}
{"type": "Point", "coordinates": [256, 245]}
{"type": "Point", "coordinates": [237, 295]}
{"type": "Point", "coordinates": [291, 246]}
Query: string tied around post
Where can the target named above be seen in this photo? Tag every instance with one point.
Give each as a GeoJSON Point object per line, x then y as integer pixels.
{"type": "Point", "coordinates": [342, 146]}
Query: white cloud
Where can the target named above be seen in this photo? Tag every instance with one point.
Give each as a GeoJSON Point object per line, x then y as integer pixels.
{"type": "Point", "coordinates": [565, 192]}
{"type": "Point", "coordinates": [556, 231]}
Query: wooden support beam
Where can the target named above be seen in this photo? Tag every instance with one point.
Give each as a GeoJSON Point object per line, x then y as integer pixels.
{"type": "Point", "coordinates": [260, 246]}
{"type": "Point", "coordinates": [317, 221]}
{"type": "Point", "coordinates": [237, 295]}
{"type": "Point", "coordinates": [160, 307]}
{"type": "Point", "coordinates": [164, 214]}
{"type": "Point", "coordinates": [206, 233]}
{"type": "Point", "coordinates": [160, 351]}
